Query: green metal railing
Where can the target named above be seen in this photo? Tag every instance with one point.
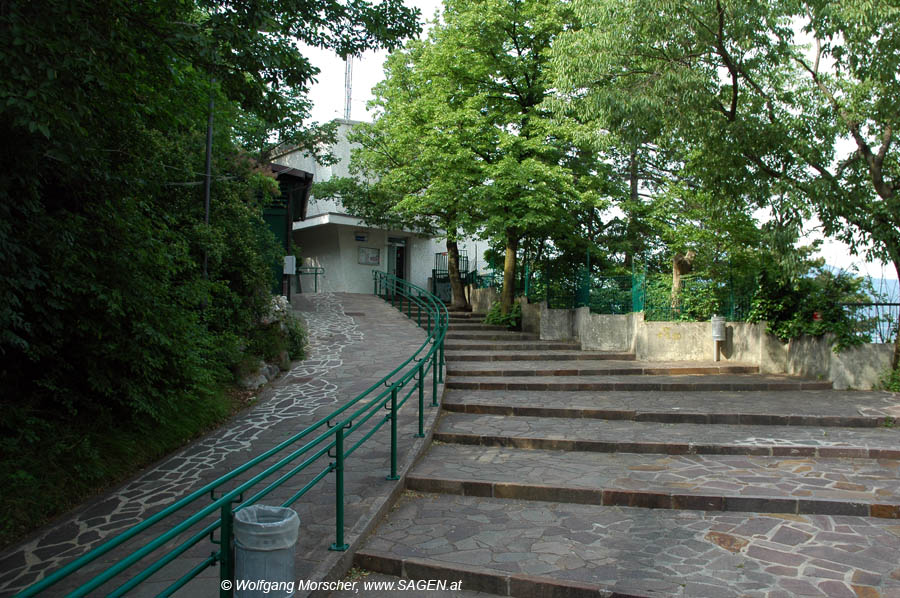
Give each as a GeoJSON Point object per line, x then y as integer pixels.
{"type": "Point", "coordinates": [332, 436]}
{"type": "Point", "coordinates": [700, 297]}
{"type": "Point", "coordinates": [314, 271]}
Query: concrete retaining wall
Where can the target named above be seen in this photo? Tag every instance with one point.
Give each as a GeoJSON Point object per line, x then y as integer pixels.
{"type": "Point", "coordinates": [557, 324]}
{"type": "Point", "coordinates": [856, 367]}
{"type": "Point", "coordinates": [481, 299]}
{"type": "Point", "coordinates": [531, 316]}
{"type": "Point", "coordinates": [605, 332]}
{"type": "Point", "coordinates": [811, 357]}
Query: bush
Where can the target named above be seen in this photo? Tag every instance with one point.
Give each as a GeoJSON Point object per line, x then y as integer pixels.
{"type": "Point", "coordinates": [496, 317]}
{"type": "Point", "coordinates": [891, 381]}
{"type": "Point", "coordinates": [810, 305]}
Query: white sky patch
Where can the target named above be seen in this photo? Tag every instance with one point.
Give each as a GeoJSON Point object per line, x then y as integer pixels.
{"type": "Point", "coordinates": [328, 94]}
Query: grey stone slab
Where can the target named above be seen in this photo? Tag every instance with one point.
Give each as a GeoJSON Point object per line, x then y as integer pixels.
{"type": "Point", "coordinates": [650, 552]}
{"type": "Point", "coordinates": [841, 408]}
{"type": "Point", "coordinates": [798, 480]}
{"type": "Point", "coordinates": [655, 437]}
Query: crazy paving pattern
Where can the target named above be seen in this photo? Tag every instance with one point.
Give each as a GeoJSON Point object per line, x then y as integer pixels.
{"type": "Point", "coordinates": [303, 392]}
{"type": "Point", "coordinates": [647, 552]}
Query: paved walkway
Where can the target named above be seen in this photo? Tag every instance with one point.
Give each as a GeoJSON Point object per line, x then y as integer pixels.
{"type": "Point", "coordinates": [354, 341]}
{"type": "Point", "coordinates": [557, 473]}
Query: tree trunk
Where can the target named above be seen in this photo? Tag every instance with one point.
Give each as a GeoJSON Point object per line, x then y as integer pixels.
{"type": "Point", "coordinates": [456, 285]}
{"type": "Point", "coordinates": [508, 295]}
{"type": "Point", "coordinates": [681, 265]}
{"type": "Point", "coordinates": [633, 183]}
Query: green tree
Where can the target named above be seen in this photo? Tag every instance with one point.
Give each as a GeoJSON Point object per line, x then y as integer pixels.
{"type": "Point", "coordinates": [757, 110]}
{"type": "Point", "coordinates": [471, 143]}
{"type": "Point", "coordinates": [410, 170]}
{"type": "Point", "coordinates": [107, 322]}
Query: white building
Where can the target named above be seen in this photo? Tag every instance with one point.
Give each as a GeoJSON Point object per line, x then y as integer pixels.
{"type": "Point", "coordinates": [348, 249]}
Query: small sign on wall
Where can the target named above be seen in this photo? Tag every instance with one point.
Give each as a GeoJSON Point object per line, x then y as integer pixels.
{"type": "Point", "coordinates": [361, 237]}
{"type": "Point", "coordinates": [370, 256]}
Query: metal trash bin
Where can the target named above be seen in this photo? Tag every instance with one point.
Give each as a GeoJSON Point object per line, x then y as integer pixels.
{"type": "Point", "coordinates": [718, 328]}
{"type": "Point", "coordinates": [264, 539]}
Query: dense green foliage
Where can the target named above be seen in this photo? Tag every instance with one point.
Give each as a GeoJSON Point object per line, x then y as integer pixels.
{"type": "Point", "coordinates": [466, 145]}
{"type": "Point", "coordinates": [114, 344]}
{"type": "Point", "coordinates": [810, 305]}
{"type": "Point", "coordinates": [497, 317]}
{"type": "Point", "coordinates": [757, 103]}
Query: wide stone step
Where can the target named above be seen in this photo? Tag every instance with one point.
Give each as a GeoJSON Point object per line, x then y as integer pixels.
{"type": "Point", "coordinates": [520, 548]}
{"type": "Point", "coordinates": [625, 436]}
{"type": "Point", "coordinates": [456, 326]}
{"type": "Point", "coordinates": [456, 316]}
{"type": "Point", "coordinates": [606, 368]}
{"type": "Point", "coordinates": [735, 382]}
{"type": "Point", "coordinates": [491, 336]}
{"type": "Point", "coordinates": [797, 485]}
{"type": "Point", "coordinates": [509, 345]}
{"type": "Point", "coordinates": [547, 355]}
{"type": "Point", "coordinates": [795, 408]}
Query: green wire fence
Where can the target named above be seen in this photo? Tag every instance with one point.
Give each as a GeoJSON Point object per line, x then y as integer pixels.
{"type": "Point", "coordinates": [699, 298]}
{"type": "Point", "coordinates": [211, 509]}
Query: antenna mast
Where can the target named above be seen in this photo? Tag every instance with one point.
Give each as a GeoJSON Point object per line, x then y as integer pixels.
{"type": "Point", "coordinates": [348, 85]}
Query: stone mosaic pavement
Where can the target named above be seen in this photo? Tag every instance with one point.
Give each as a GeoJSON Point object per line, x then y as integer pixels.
{"type": "Point", "coordinates": [842, 407]}
{"type": "Point", "coordinates": [629, 436]}
{"type": "Point", "coordinates": [638, 480]}
{"type": "Point", "coordinates": [620, 382]}
{"type": "Point", "coordinates": [834, 481]}
{"type": "Point", "coordinates": [545, 355]}
{"type": "Point", "coordinates": [541, 367]}
{"type": "Point", "coordinates": [499, 544]}
{"type": "Point", "coordinates": [354, 340]}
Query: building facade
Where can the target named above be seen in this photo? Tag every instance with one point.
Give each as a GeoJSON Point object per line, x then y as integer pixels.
{"type": "Point", "coordinates": [345, 248]}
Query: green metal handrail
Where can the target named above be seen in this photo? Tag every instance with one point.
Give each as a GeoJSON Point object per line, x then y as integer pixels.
{"type": "Point", "coordinates": [333, 430]}
{"type": "Point", "coordinates": [315, 271]}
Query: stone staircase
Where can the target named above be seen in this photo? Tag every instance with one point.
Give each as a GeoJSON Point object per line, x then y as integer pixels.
{"type": "Point", "coordinates": [560, 472]}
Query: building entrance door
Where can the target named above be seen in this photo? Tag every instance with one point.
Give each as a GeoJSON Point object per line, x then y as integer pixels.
{"type": "Point", "coordinates": [396, 262]}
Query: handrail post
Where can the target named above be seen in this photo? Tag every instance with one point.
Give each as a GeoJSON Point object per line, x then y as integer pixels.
{"type": "Point", "coordinates": [339, 491]}
{"type": "Point", "coordinates": [409, 305]}
{"type": "Point", "coordinates": [421, 433]}
{"type": "Point", "coordinates": [442, 363]}
{"type": "Point", "coordinates": [419, 311]}
{"type": "Point", "coordinates": [434, 379]}
{"type": "Point", "coordinates": [226, 552]}
{"type": "Point", "coordinates": [393, 475]}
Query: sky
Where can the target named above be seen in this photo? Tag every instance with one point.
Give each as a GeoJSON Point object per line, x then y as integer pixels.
{"type": "Point", "coordinates": [328, 103]}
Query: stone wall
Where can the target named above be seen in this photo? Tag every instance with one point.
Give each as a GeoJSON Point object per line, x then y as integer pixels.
{"type": "Point", "coordinates": [605, 332]}
{"type": "Point", "coordinates": [811, 357]}
{"type": "Point", "coordinates": [481, 299]}
{"type": "Point", "coordinates": [858, 368]}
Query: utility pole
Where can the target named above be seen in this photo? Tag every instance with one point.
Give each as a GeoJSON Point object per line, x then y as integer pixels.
{"type": "Point", "coordinates": [348, 85]}
{"type": "Point", "coordinates": [207, 179]}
